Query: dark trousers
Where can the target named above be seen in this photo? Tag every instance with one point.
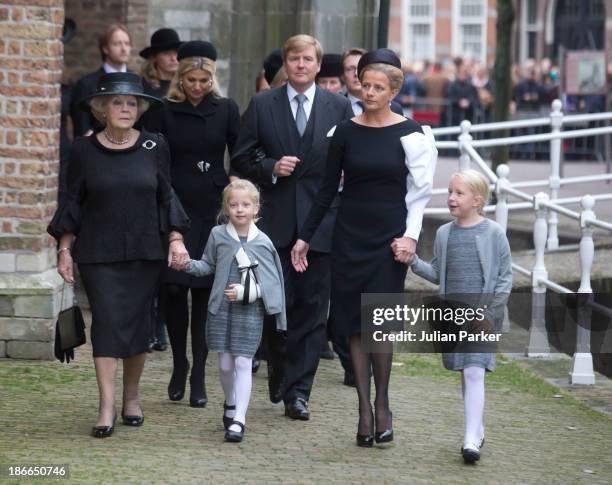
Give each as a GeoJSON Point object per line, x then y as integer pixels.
{"type": "Point", "coordinates": [307, 297]}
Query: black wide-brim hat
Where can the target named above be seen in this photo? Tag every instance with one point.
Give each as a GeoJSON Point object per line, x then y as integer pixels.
{"type": "Point", "coordinates": [162, 40]}
{"type": "Point", "coordinates": [331, 66]}
{"type": "Point", "coordinates": [197, 48]}
{"type": "Point", "coordinates": [119, 83]}
{"type": "Point", "coordinates": [379, 56]}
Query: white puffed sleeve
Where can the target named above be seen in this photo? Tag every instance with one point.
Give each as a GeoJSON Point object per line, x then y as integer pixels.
{"type": "Point", "coordinates": [421, 157]}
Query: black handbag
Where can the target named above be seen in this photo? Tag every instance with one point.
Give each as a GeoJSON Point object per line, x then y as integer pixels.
{"type": "Point", "coordinates": [69, 331]}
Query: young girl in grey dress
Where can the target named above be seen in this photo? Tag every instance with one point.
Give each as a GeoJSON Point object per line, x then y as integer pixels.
{"type": "Point", "coordinates": [471, 256]}
{"type": "Point", "coordinates": [248, 283]}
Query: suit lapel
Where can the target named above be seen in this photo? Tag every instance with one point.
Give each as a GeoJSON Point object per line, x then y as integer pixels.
{"type": "Point", "coordinates": [284, 123]}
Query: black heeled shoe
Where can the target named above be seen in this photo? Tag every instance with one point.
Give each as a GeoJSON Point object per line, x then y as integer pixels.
{"type": "Point", "coordinates": [197, 396]}
{"type": "Point", "coordinates": [365, 440]}
{"type": "Point", "coordinates": [198, 402]}
{"type": "Point", "coordinates": [227, 422]}
{"type": "Point", "coordinates": [104, 431]}
{"type": "Point", "coordinates": [387, 435]}
{"type": "Point", "coordinates": [235, 436]}
{"type": "Point", "coordinates": [177, 384]}
{"type": "Point", "coordinates": [132, 420]}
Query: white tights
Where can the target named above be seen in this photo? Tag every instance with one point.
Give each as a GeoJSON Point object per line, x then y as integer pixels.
{"type": "Point", "coordinates": [472, 384]}
{"type": "Point", "coordinates": [236, 380]}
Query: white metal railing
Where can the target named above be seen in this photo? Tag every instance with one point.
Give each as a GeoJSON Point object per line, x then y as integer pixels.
{"type": "Point", "coordinates": [547, 207]}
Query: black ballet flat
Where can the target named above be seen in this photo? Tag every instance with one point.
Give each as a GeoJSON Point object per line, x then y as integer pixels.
{"type": "Point", "coordinates": [176, 390]}
{"type": "Point", "coordinates": [227, 422]}
{"type": "Point", "coordinates": [132, 420]}
{"type": "Point", "coordinates": [365, 440]}
{"type": "Point", "coordinates": [104, 431]}
{"type": "Point", "coordinates": [235, 436]}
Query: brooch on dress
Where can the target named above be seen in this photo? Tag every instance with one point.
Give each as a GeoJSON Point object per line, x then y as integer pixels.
{"type": "Point", "coordinates": [149, 144]}
{"type": "Point", "coordinates": [203, 166]}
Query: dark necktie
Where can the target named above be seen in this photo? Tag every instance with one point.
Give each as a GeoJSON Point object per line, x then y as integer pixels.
{"type": "Point", "coordinates": [300, 115]}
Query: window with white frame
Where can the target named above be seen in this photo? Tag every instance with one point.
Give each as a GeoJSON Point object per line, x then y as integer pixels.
{"type": "Point", "coordinates": [418, 32]}
{"type": "Point", "coordinates": [470, 21]}
{"type": "Point", "coordinates": [529, 29]}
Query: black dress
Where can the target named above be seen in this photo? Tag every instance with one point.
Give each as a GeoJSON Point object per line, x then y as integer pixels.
{"type": "Point", "coordinates": [120, 206]}
{"type": "Point", "coordinates": [371, 214]}
{"type": "Point", "coordinates": [198, 137]}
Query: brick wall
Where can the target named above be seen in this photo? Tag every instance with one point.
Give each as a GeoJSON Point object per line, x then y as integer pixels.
{"type": "Point", "coordinates": [30, 70]}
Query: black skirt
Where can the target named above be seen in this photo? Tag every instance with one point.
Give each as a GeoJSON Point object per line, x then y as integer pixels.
{"type": "Point", "coordinates": [121, 299]}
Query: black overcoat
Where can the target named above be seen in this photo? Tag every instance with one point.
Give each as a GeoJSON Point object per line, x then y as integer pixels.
{"type": "Point", "coordinates": [198, 137]}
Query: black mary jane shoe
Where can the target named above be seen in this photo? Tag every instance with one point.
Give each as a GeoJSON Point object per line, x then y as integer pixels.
{"type": "Point", "coordinates": [178, 382]}
{"type": "Point", "coordinates": [132, 420]}
{"type": "Point", "coordinates": [104, 431]}
{"type": "Point", "coordinates": [365, 440]}
{"type": "Point", "coordinates": [160, 346]}
{"type": "Point", "coordinates": [234, 436]}
{"type": "Point", "coordinates": [227, 422]}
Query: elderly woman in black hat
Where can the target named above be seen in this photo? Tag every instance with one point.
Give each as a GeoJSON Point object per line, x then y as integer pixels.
{"type": "Point", "coordinates": [330, 75]}
{"type": "Point", "coordinates": [199, 125]}
{"type": "Point", "coordinates": [388, 165]}
{"type": "Point", "coordinates": [127, 221]}
{"type": "Point", "coordinates": [160, 62]}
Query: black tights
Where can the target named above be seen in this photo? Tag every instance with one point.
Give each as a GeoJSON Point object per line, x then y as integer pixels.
{"type": "Point", "coordinates": [380, 363]}
{"type": "Point", "coordinates": [177, 321]}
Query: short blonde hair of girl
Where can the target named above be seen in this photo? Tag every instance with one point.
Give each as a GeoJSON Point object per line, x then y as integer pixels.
{"type": "Point", "coordinates": [239, 184]}
{"type": "Point", "coordinates": [98, 106]}
{"type": "Point", "coordinates": [394, 74]}
{"type": "Point", "coordinates": [477, 184]}
{"type": "Point", "coordinates": [176, 92]}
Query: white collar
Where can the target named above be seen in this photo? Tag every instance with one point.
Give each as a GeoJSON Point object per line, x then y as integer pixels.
{"type": "Point", "coordinates": [231, 230]}
{"type": "Point", "coordinates": [108, 68]}
{"type": "Point", "coordinates": [309, 93]}
{"type": "Point", "coordinates": [353, 99]}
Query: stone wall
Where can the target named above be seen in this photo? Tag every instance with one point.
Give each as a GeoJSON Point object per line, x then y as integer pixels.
{"type": "Point", "coordinates": [30, 70]}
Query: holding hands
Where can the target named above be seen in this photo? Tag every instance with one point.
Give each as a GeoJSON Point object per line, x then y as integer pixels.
{"type": "Point", "coordinates": [298, 255]}
{"type": "Point", "coordinates": [404, 249]}
{"type": "Point", "coordinates": [178, 257]}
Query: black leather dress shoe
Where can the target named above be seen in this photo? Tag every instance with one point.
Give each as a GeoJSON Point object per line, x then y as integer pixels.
{"type": "Point", "coordinates": [132, 420]}
{"type": "Point", "coordinates": [297, 409]}
{"type": "Point", "coordinates": [104, 431]}
{"type": "Point", "coordinates": [234, 436]}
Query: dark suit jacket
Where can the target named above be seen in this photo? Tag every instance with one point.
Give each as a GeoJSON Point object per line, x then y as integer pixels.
{"type": "Point", "coordinates": [83, 120]}
{"type": "Point", "coordinates": [268, 132]}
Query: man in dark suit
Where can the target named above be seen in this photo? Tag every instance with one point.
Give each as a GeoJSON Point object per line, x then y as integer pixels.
{"type": "Point", "coordinates": [282, 146]}
{"type": "Point", "coordinates": [115, 46]}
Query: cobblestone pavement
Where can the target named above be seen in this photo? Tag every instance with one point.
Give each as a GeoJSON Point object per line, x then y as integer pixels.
{"type": "Point", "coordinates": [47, 409]}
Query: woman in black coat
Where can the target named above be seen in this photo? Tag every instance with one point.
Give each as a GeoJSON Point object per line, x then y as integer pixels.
{"type": "Point", "coordinates": [120, 206]}
{"type": "Point", "coordinates": [199, 125]}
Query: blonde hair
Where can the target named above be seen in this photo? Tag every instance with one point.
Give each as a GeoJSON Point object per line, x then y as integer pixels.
{"type": "Point", "coordinates": [149, 72]}
{"type": "Point", "coordinates": [98, 106]}
{"type": "Point", "coordinates": [239, 184]}
{"type": "Point", "coordinates": [394, 74]}
{"type": "Point", "coordinates": [300, 42]}
{"type": "Point", "coordinates": [280, 78]}
{"type": "Point", "coordinates": [477, 184]}
{"type": "Point", "coordinates": [176, 92]}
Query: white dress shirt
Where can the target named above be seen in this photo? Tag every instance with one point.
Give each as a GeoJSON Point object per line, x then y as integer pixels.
{"type": "Point", "coordinates": [357, 108]}
{"type": "Point", "coordinates": [309, 93]}
{"type": "Point", "coordinates": [108, 68]}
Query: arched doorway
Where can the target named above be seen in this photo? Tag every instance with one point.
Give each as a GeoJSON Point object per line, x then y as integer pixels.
{"type": "Point", "coordinates": [579, 24]}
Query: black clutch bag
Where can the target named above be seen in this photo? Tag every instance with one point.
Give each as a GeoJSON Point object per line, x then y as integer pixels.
{"type": "Point", "coordinates": [69, 332]}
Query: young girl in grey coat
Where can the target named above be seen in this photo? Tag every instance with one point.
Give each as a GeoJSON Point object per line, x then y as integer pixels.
{"type": "Point", "coordinates": [471, 256]}
{"type": "Point", "coordinates": [248, 283]}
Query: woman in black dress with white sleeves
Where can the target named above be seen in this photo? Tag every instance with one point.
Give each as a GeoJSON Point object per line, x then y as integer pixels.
{"type": "Point", "coordinates": [199, 125]}
{"type": "Point", "coordinates": [388, 166]}
{"type": "Point", "coordinates": [122, 209]}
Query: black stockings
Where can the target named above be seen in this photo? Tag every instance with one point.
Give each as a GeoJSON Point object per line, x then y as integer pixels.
{"type": "Point", "coordinates": [177, 320]}
{"type": "Point", "coordinates": [380, 365]}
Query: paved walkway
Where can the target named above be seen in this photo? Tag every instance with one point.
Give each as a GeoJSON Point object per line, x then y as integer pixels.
{"type": "Point", "coordinates": [536, 433]}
